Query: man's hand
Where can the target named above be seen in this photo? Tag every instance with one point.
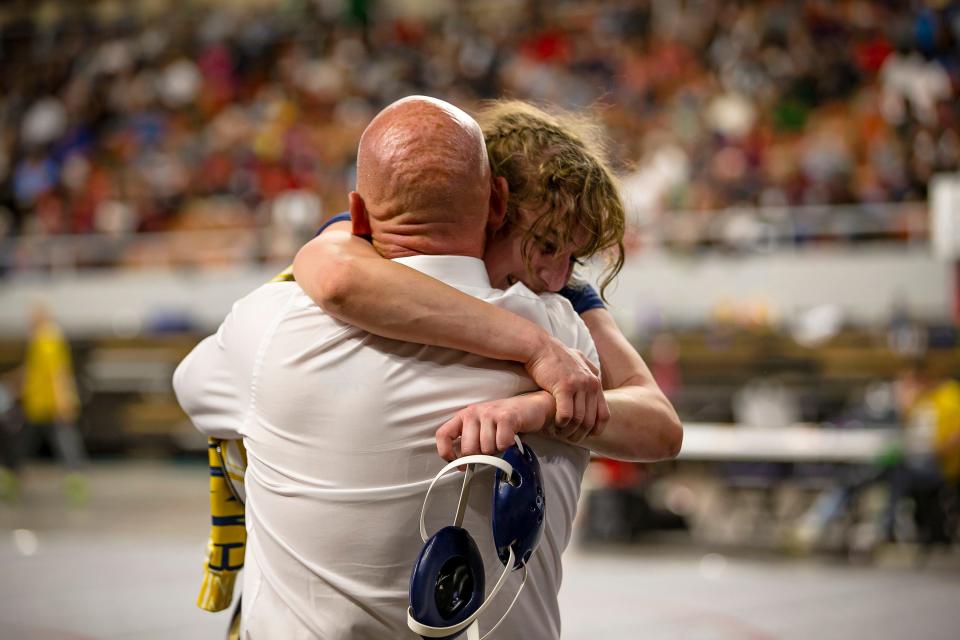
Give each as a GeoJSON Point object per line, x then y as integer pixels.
{"type": "Point", "coordinates": [575, 384]}
{"type": "Point", "coordinates": [489, 427]}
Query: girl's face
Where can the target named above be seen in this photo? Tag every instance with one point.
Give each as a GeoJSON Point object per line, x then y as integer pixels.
{"type": "Point", "coordinates": [550, 269]}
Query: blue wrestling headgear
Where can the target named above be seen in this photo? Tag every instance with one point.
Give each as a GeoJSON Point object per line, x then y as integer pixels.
{"type": "Point", "coordinates": [447, 584]}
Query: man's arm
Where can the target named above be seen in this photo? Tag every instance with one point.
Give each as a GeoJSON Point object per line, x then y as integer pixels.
{"type": "Point", "coordinates": [349, 280]}
{"type": "Point", "coordinates": [208, 389]}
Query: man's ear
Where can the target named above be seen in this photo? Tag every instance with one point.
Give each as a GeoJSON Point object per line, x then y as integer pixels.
{"type": "Point", "coordinates": [499, 192]}
{"type": "Point", "coordinates": [358, 216]}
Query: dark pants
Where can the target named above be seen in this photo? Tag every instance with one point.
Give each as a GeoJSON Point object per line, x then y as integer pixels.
{"type": "Point", "coordinates": [63, 438]}
{"type": "Point", "coordinates": [921, 480]}
{"type": "Point", "coordinates": [9, 440]}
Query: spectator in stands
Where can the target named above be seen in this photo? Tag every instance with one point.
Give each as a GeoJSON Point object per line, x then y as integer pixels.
{"type": "Point", "coordinates": [769, 104]}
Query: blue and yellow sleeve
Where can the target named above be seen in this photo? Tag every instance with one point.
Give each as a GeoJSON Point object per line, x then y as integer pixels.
{"type": "Point", "coordinates": [228, 534]}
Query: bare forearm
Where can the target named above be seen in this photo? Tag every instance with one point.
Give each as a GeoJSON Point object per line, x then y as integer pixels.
{"type": "Point", "coordinates": [416, 308]}
{"type": "Point", "coordinates": [351, 282]}
{"type": "Point", "coordinates": [643, 424]}
{"type": "Point", "coordinates": [346, 277]}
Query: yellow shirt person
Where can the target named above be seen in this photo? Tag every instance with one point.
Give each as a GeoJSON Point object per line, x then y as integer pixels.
{"type": "Point", "coordinates": [49, 390]}
{"type": "Point", "coordinates": [50, 402]}
{"type": "Point", "coordinates": [945, 401]}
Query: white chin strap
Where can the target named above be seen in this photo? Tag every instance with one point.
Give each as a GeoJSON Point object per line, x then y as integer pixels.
{"type": "Point", "coordinates": [470, 624]}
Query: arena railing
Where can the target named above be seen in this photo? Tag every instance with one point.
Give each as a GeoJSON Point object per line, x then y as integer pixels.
{"type": "Point", "coordinates": [735, 229]}
{"type": "Point", "coordinates": [173, 249]}
{"type": "Point", "coordinates": [777, 228]}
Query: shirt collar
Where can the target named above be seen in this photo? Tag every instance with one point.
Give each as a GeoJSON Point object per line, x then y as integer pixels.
{"type": "Point", "coordinates": [454, 270]}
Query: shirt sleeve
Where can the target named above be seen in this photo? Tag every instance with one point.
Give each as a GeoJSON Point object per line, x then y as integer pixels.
{"type": "Point", "coordinates": [583, 297]}
{"type": "Point", "coordinates": [340, 217]}
{"type": "Point", "coordinates": [568, 327]}
{"type": "Point", "coordinates": [208, 387]}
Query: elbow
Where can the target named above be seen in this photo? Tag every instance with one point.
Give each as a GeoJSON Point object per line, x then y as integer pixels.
{"type": "Point", "coordinates": [184, 388]}
{"type": "Point", "coordinates": [669, 431]}
{"type": "Point", "coordinates": [181, 390]}
{"type": "Point", "coordinates": [328, 281]}
{"type": "Point", "coordinates": [332, 292]}
{"type": "Point", "coordinates": [177, 381]}
{"type": "Point", "coordinates": [672, 437]}
{"type": "Point", "coordinates": [663, 440]}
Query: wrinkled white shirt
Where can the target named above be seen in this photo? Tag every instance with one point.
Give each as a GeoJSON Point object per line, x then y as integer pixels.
{"type": "Point", "coordinates": [339, 428]}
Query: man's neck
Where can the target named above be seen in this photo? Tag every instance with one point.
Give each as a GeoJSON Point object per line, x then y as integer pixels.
{"type": "Point", "coordinates": [401, 246]}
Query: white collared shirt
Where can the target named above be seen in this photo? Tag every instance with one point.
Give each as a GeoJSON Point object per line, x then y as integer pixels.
{"type": "Point", "coordinates": [339, 427]}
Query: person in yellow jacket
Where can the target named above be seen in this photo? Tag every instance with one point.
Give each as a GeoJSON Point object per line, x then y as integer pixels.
{"type": "Point", "coordinates": [930, 412]}
{"type": "Point", "coordinates": [48, 396]}
{"type": "Point", "coordinates": [945, 399]}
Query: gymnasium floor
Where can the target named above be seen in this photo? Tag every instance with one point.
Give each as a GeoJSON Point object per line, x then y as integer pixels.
{"type": "Point", "coordinates": [126, 565]}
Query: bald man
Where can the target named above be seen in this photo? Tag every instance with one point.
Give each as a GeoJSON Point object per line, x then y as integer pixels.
{"type": "Point", "coordinates": [339, 424]}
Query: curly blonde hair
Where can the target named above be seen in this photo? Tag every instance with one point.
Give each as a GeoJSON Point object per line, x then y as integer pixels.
{"type": "Point", "coordinates": [555, 167]}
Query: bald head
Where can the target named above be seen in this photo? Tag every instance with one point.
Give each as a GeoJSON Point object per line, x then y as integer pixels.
{"type": "Point", "coordinates": [423, 179]}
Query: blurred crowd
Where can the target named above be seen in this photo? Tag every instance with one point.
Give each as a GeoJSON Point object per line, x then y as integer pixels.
{"type": "Point", "coordinates": [120, 117]}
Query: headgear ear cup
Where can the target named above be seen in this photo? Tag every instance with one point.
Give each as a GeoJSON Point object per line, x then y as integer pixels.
{"type": "Point", "coordinates": [447, 583]}
{"type": "Point", "coordinates": [446, 586]}
{"type": "Point", "coordinates": [519, 506]}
